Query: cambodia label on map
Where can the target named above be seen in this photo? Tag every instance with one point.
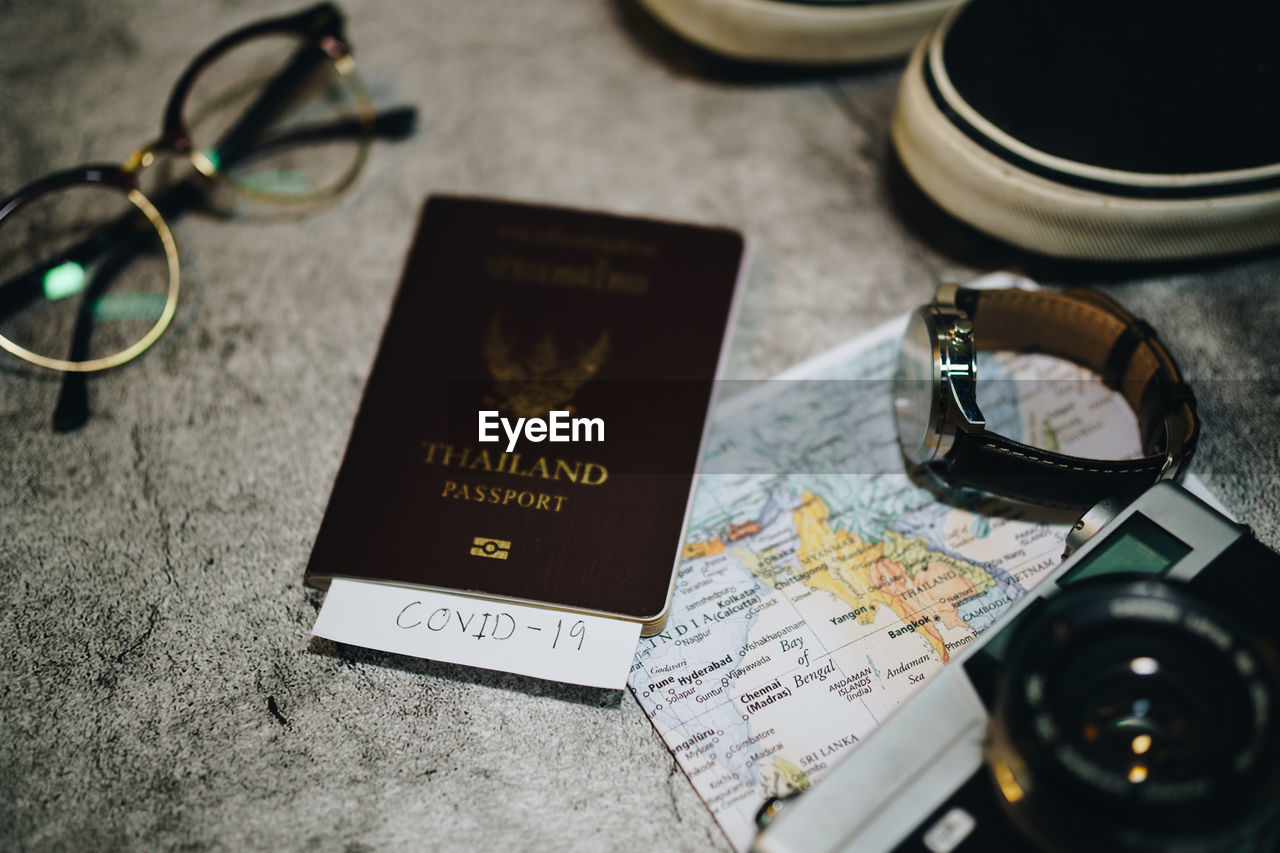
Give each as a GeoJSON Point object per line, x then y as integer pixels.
{"type": "Point", "coordinates": [820, 586]}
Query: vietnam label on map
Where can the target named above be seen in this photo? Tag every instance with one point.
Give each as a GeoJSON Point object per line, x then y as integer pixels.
{"type": "Point", "coordinates": [810, 604]}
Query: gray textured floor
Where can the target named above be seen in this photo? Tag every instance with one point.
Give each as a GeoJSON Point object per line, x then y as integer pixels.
{"type": "Point", "coordinates": [158, 687]}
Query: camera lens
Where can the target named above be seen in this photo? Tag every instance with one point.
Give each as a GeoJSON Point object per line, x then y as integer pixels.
{"type": "Point", "coordinates": [1149, 706]}
{"type": "Point", "coordinates": [1135, 717]}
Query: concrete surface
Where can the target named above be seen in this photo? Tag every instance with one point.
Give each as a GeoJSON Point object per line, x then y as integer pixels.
{"type": "Point", "coordinates": [159, 689]}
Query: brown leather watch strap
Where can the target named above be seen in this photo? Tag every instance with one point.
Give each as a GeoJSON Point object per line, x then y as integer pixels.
{"type": "Point", "coordinates": [1091, 329]}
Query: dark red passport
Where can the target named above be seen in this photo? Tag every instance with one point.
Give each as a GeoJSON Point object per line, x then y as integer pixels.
{"type": "Point", "coordinates": [523, 311]}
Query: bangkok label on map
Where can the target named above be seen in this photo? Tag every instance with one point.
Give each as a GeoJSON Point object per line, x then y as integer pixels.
{"type": "Point", "coordinates": [820, 585]}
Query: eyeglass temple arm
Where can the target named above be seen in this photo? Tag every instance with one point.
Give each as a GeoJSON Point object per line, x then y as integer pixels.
{"type": "Point", "coordinates": [72, 410]}
{"type": "Point", "coordinates": [23, 289]}
{"type": "Point", "coordinates": [275, 97]}
{"type": "Point", "coordinates": [244, 140]}
{"type": "Point", "coordinates": [394, 124]}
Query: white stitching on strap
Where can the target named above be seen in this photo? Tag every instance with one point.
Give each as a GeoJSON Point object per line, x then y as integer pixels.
{"type": "Point", "coordinates": [1084, 469]}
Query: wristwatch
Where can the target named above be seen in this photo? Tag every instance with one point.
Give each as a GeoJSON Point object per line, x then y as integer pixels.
{"type": "Point", "coordinates": [941, 429]}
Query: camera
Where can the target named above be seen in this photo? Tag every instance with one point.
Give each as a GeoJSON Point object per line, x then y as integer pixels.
{"type": "Point", "coordinates": [1128, 703]}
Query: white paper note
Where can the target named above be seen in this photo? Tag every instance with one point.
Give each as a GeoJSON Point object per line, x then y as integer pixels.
{"type": "Point", "coordinates": [571, 647]}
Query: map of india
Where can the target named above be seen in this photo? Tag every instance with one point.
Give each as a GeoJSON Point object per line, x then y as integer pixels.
{"type": "Point", "coordinates": [820, 584]}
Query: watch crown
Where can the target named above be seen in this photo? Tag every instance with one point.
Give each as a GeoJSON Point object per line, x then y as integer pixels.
{"type": "Point", "coordinates": [962, 329]}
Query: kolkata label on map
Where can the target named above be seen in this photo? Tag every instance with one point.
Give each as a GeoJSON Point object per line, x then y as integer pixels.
{"type": "Point", "coordinates": [820, 586]}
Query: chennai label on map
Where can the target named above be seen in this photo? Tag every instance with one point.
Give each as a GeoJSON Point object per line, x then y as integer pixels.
{"type": "Point", "coordinates": [815, 596]}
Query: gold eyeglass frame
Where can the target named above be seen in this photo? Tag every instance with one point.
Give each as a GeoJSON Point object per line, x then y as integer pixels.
{"type": "Point", "coordinates": [319, 26]}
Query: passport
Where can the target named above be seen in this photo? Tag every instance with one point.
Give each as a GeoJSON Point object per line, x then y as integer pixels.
{"type": "Point", "coordinates": [591, 343]}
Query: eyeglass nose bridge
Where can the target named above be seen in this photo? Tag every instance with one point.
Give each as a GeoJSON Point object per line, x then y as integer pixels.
{"type": "Point", "coordinates": [148, 154]}
{"type": "Point", "coordinates": [145, 156]}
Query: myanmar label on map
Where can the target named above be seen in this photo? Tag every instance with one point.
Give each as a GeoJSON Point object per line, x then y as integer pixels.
{"type": "Point", "coordinates": [821, 586]}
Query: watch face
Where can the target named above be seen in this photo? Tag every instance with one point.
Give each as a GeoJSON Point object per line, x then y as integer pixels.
{"type": "Point", "coordinates": [914, 391]}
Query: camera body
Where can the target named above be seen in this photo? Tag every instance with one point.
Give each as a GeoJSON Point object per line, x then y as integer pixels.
{"type": "Point", "coordinates": [1129, 703]}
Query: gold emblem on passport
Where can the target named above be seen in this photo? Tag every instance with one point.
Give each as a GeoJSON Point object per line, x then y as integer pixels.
{"type": "Point", "coordinates": [543, 376]}
{"type": "Point", "coordinates": [494, 549]}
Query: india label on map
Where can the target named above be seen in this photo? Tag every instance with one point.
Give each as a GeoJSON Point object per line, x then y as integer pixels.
{"type": "Point", "coordinates": [820, 586]}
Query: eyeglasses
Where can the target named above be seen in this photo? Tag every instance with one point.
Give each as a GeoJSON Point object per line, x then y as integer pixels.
{"type": "Point", "coordinates": [89, 268]}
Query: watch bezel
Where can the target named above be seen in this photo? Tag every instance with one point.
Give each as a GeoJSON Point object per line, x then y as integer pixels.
{"type": "Point", "coordinates": [953, 367]}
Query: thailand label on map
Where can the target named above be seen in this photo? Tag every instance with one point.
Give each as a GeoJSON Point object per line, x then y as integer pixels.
{"type": "Point", "coordinates": [820, 586]}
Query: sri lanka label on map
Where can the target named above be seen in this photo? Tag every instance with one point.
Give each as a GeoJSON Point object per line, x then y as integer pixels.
{"type": "Point", "coordinates": [820, 585]}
